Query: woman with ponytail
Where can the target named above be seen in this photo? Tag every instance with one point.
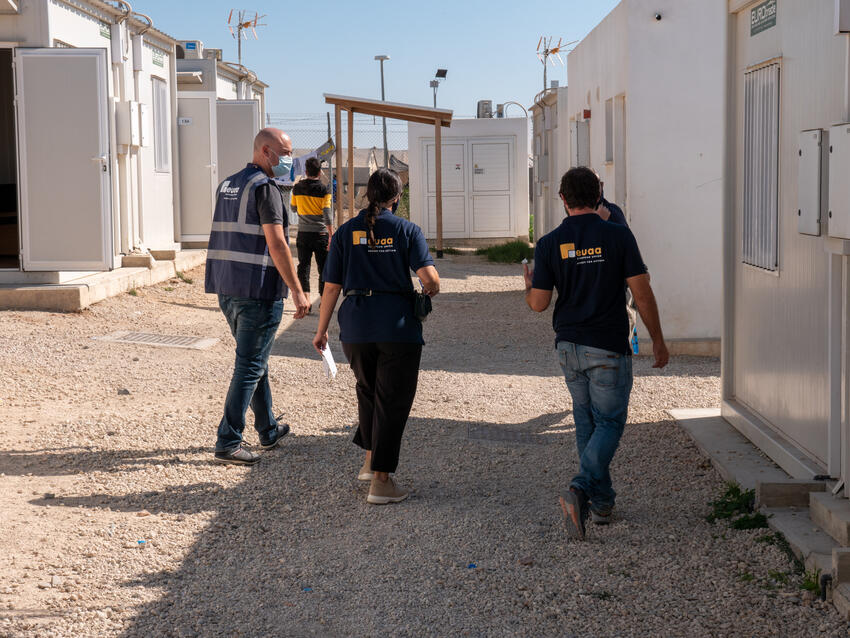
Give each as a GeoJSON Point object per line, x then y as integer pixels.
{"type": "Point", "coordinates": [370, 260]}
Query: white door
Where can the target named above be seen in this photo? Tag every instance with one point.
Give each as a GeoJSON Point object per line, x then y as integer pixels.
{"type": "Point", "coordinates": [453, 187]}
{"type": "Point", "coordinates": [238, 122]}
{"type": "Point", "coordinates": [490, 191]}
{"type": "Point", "coordinates": [64, 169]}
{"type": "Point", "coordinates": [197, 139]}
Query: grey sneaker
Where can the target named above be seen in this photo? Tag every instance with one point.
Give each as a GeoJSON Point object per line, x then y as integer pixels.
{"type": "Point", "coordinates": [239, 456]}
{"type": "Point", "coordinates": [281, 431]}
{"type": "Point", "coordinates": [601, 518]}
{"type": "Point", "coordinates": [381, 493]}
{"type": "Point", "coordinates": [574, 505]}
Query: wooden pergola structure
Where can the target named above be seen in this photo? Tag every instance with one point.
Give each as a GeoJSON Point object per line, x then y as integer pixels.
{"type": "Point", "coordinates": [378, 108]}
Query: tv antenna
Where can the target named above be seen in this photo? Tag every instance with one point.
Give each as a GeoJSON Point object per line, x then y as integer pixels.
{"type": "Point", "coordinates": [245, 21]}
{"type": "Point", "coordinates": [545, 52]}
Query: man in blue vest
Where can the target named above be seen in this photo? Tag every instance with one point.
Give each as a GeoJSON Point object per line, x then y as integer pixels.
{"type": "Point", "coordinates": [249, 266]}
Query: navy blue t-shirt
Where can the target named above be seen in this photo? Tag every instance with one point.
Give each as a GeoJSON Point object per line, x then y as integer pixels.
{"type": "Point", "coordinates": [587, 260]}
{"type": "Point", "coordinates": [356, 265]}
{"type": "Point", "coordinates": [617, 214]}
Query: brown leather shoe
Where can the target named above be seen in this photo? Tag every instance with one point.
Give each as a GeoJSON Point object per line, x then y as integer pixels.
{"type": "Point", "coordinates": [382, 493]}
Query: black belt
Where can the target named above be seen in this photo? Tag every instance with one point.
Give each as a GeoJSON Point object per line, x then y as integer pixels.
{"type": "Point", "coordinates": [361, 292]}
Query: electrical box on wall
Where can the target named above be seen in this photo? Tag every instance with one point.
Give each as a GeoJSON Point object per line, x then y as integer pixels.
{"type": "Point", "coordinates": [127, 124]}
{"type": "Point", "coordinates": [812, 182]}
{"type": "Point", "coordinates": [145, 125]}
{"type": "Point", "coordinates": [838, 222]}
{"type": "Point", "coordinates": [118, 35]}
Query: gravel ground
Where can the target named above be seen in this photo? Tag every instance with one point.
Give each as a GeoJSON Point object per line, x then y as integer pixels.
{"type": "Point", "coordinates": [109, 445]}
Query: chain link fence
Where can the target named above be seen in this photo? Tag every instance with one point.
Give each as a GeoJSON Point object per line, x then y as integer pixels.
{"type": "Point", "coordinates": [308, 131]}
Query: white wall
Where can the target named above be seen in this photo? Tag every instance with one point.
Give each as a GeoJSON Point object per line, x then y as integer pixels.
{"type": "Point", "coordinates": [778, 328]}
{"type": "Point", "coordinates": [671, 74]}
{"type": "Point", "coordinates": [515, 128]}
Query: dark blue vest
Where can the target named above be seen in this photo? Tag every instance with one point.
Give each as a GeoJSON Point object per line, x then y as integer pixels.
{"type": "Point", "coordinates": [238, 260]}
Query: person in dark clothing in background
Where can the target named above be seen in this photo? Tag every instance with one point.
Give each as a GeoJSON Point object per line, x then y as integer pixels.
{"type": "Point", "coordinates": [370, 262]}
{"type": "Point", "coordinates": [311, 199]}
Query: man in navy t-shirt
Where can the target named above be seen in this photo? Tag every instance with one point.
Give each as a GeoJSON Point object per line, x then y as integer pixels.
{"type": "Point", "coordinates": [587, 260]}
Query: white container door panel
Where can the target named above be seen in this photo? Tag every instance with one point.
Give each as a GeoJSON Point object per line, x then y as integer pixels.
{"type": "Point", "coordinates": [454, 216]}
{"type": "Point", "coordinates": [62, 114]}
{"type": "Point", "coordinates": [490, 194]}
{"type": "Point", "coordinates": [491, 167]}
{"type": "Point", "coordinates": [454, 172]}
{"type": "Point", "coordinates": [238, 122]}
{"type": "Point", "coordinates": [491, 215]}
{"type": "Point", "coordinates": [196, 131]}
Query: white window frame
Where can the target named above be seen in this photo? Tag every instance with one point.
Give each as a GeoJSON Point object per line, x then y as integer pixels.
{"type": "Point", "coordinates": [161, 129]}
{"type": "Point", "coordinates": [609, 130]}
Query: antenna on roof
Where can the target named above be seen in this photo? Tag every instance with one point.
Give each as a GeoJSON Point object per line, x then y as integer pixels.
{"type": "Point", "coordinates": [545, 52]}
{"type": "Point", "coordinates": [245, 20]}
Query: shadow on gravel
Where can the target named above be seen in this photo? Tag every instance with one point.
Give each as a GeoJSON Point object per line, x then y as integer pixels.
{"type": "Point", "coordinates": [70, 460]}
{"type": "Point", "coordinates": [294, 549]}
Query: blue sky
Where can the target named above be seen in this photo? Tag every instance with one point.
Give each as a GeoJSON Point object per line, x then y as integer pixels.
{"type": "Point", "coordinates": [329, 47]}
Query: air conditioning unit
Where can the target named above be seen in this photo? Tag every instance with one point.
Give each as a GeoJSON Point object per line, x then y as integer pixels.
{"type": "Point", "coordinates": [213, 54]}
{"type": "Point", "coordinates": [192, 49]}
{"type": "Point", "coordinates": [485, 108]}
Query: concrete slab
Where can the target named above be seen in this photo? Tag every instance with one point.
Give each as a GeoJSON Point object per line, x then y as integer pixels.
{"type": "Point", "coordinates": [84, 291]}
{"type": "Point", "coordinates": [841, 600]}
{"type": "Point", "coordinates": [806, 539]}
{"type": "Point", "coordinates": [788, 493]}
{"type": "Point", "coordinates": [832, 514]}
{"type": "Point", "coordinates": [735, 458]}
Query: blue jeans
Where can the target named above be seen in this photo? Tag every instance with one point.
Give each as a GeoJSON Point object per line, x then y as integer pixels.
{"type": "Point", "coordinates": [600, 382]}
{"type": "Point", "coordinates": [253, 323]}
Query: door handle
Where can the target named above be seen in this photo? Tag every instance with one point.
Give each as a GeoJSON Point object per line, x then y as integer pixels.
{"type": "Point", "coordinates": [104, 162]}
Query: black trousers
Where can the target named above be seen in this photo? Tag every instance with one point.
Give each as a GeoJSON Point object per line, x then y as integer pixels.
{"type": "Point", "coordinates": [308, 244]}
{"type": "Point", "coordinates": [386, 375]}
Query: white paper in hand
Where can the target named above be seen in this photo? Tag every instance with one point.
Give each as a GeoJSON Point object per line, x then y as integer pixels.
{"type": "Point", "coordinates": [328, 362]}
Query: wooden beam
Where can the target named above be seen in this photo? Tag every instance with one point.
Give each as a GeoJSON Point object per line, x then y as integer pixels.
{"type": "Point", "coordinates": [394, 110]}
{"type": "Point", "coordinates": [438, 167]}
{"type": "Point", "coordinates": [338, 125]}
{"type": "Point", "coordinates": [350, 164]}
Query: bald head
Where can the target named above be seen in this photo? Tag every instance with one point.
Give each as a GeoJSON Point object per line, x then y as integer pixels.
{"type": "Point", "coordinates": [270, 145]}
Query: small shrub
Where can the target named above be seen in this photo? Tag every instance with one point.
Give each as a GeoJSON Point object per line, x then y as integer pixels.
{"type": "Point", "coordinates": [182, 277]}
{"type": "Point", "coordinates": [512, 252]}
{"type": "Point", "coordinates": [778, 576]}
{"type": "Point", "coordinates": [133, 292]}
{"type": "Point", "coordinates": [811, 581]}
{"type": "Point", "coordinates": [531, 228]}
{"type": "Point", "coordinates": [756, 520]}
{"type": "Point", "coordinates": [733, 502]}
{"type": "Point", "coordinates": [168, 289]}
{"type": "Point", "coordinates": [447, 250]}
{"type": "Point", "coordinates": [746, 577]}
{"type": "Point", "coordinates": [403, 209]}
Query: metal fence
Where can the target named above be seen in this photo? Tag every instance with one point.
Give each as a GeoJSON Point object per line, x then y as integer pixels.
{"type": "Point", "coordinates": [311, 130]}
{"type": "Point", "coordinates": [308, 131]}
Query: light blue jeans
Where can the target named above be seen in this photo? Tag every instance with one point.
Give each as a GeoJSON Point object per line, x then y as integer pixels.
{"type": "Point", "coordinates": [600, 382]}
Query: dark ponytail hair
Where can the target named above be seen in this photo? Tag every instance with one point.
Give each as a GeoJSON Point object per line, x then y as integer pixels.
{"type": "Point", "coordinates": [383, 187]}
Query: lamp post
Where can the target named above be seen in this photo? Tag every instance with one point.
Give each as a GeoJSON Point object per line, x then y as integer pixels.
{"type": "Point", "coordinates": [435, 83]}
{"type": "Point", "coordinates": [381, 58]}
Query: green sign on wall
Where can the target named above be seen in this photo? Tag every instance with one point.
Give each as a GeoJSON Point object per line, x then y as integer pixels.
{"type": "Point", "coordinates": [762, 17]}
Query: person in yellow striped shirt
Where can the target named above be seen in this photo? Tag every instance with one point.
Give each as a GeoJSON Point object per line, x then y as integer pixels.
{"type": "Point", "coordinates": [311, 199]}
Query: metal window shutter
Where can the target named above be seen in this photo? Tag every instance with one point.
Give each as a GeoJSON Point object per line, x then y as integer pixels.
{"type": "Point", "coordinates": [761, 167]}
